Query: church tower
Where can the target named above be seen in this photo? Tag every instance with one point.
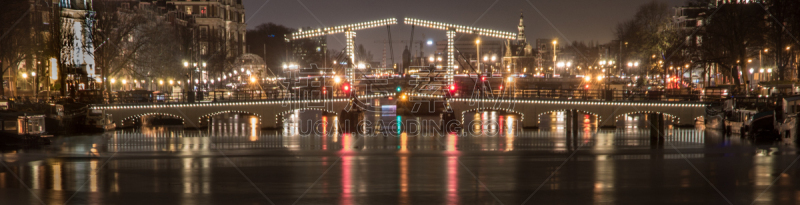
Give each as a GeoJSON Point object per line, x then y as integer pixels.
{"type": "Point", "coordinates": [521, 27]}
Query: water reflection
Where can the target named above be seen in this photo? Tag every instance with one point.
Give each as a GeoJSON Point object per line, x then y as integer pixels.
{"type": "Point", "coordinates": [396, 162]}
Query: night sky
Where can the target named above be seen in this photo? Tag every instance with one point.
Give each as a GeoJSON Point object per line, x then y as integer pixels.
{"type": "Point", "coordinates": [573, 20]}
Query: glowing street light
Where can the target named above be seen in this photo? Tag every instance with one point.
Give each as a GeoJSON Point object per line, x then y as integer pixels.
{"type": "Point", "coordinates": [185, 64]}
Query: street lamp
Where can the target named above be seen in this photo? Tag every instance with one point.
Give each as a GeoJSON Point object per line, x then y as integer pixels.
{"type": "Point", "coordinates": [555, 42]}
{"type": "Point", "coordinates": [478, 55]}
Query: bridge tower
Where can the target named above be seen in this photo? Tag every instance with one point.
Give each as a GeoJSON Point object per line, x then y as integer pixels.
{"type": "Point", "coordinates": [350, 33]}
{"type": "Point", "coordinates": [451, 30]}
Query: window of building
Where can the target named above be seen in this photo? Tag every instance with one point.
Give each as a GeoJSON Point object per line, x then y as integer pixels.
{"type": "Point", "coordinates": [45, 18]}
{"type": "Point", "coordinates": [203, 10]}
{"type": "Point", "coordinates": [203, 32]}
{"type": "Point", "coordinates": [203, 48]}
{"type": "Point", "coordinates": [699, 40]}
{"type": "Point", "coordinates": [188, 9]}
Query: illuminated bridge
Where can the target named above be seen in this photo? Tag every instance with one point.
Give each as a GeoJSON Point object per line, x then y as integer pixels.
{"type": "Point", "coordinates": [530, 110]}
{"type": "Point", "coordinates": [269, 112]}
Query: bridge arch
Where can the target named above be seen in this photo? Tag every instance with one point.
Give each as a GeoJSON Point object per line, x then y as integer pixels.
{"type": "Point", "coordinates": [279, 117]}
{"type": "Point", "coordinates": [129, 121]}
{"type": "Point", "coordinates": [204, 119]}
{"type": "Point", "coordinates": [507, 110]}
{"type": "Point", "coordinates": [539, 116]}
{"type": "Point", "coordinates": [677, 119]}
{"type": "Point", "coordinates": [598, 118]}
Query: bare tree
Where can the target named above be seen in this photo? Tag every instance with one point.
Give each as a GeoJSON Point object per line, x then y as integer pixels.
{"type": "Point", "coordinates": [15, 37]}
{"type": "Point", "coordinates": [115, 39]}
{"type": "Point", "coordinates": [729, 36]}
{"type": "Point", "coordinates": [160, 56]}
{"type": "Point", "coordinates": [651, 39]}
{"type": "Point", "coordinates": [782, 22]}
{"type": "Point", "coordinates": [137, 41]}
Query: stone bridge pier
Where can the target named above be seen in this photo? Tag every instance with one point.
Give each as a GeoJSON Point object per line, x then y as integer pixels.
{"type": "Point", "coordinates": [607, 112]}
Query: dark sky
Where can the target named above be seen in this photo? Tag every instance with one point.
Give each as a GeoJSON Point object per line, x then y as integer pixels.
{"type": "Point", "coordinates": [573, 20]}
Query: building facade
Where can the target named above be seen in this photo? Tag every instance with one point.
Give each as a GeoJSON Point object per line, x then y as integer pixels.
{"type": "Point", "coordinates": [219, 31]}
{"type": "Point", "coordinates": [519, 56]}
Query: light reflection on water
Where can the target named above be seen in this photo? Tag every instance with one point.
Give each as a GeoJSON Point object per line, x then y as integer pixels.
{"type": "Point", "coordinates": [170, 159]}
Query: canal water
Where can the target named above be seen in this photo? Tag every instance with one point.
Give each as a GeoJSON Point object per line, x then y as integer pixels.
{"type": "Point", "coordinates": [402, 160]}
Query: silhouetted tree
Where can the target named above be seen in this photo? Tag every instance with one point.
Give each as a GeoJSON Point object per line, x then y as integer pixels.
{"type": "Point", "coordinates": [16, 38]}
{"type": "Point", "coordinates": [730, 35]}
{"type": "Point", "coordinates": [268, 41]}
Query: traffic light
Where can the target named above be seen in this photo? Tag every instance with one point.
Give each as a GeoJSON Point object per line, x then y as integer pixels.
{"type": "Point", "coordinates": [399, 89]}
{"type": "Point", "coordinates": [452, 89]}
{"type": "Point", "coordinates": [346, 87]}
{"type": "Point", "coordinates": [483, 78]}
{"type": "Point", "coordinates": [501, 87]}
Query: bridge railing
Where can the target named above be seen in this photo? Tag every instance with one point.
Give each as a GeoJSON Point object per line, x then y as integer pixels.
{"type": "Point", "coordinates": [230, 96]}
{"type": "Point", "coordinates": [223, 96]}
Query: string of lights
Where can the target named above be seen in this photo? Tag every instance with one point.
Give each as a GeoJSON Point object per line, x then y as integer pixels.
{"type": "Point", "coordinates": [461, 28]}
{"type": "Point", "coordinates": [343, 28]}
